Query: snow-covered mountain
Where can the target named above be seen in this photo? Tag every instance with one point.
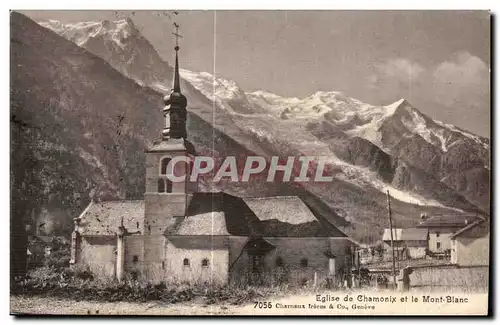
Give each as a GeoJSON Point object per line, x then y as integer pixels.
{"type": "Point", "coordinates": [424, 163]}
{"type": "Point", "coordinates": [121, 44]}
{"type": "Point", "coordinates": [445, 151]}
{"type": "Point", "coordinates": [353, 116]}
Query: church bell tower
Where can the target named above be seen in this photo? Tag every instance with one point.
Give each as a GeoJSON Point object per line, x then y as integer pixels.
{"type": "Point", "coordinates": [165, 197]}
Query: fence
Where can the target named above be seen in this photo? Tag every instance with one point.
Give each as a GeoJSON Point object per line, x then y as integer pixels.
{"type": "Point", "coordinates": [450, 278]}
{"type": "Point", "coordinates": [292, 278]}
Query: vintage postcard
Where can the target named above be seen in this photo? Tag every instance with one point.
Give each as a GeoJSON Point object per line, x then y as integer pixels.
{"type": "Point", "coordinates": [250, 162]}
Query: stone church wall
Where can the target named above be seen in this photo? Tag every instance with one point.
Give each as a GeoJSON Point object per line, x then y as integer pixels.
{"type": "Point", "coordinates": [98, 254]}
{"type": "Point", "coordinates": [286, 261]}
{"type": "Point", "coordinates": [238, 259]}
{"type": "Point", "coordinates": [160, 210]}
{"type": "Point", "coordinates": [292, 252]}
{"type": "Point", "coordinates": [214, 272]}
{"type": "Point", "coordinates": [154, 265]}
{"type": "Point", "coordinates": [134, 255]}
{"type": "Point", "coordinates": [157, 258]}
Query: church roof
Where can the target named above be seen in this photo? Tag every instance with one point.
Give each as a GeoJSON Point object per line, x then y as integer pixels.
{"type": "Point", "coordinates": [172, 145]}
{"type": "Point", "coordinates": [289, 209]}
{"type": "Point", "coordinates": [210, 223]}
{"type": "Point", "coordinates": [279, 216]}
{"type": "Point", "coordinates": [218, 214]}
{"type": "Point", "coordinates": [104, 218]}
{"type": "Point", "coordinates": [286, 216]}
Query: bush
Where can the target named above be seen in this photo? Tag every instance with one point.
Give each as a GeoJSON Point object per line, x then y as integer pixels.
{"type": "Point", "coordinates": [79, 284]}
{"type": "Point", "coordinates": [58, 258]}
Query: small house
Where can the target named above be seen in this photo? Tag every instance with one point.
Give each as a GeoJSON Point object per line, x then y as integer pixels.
{"type": "Point", "coordinates": [441, 227]}
{"type": "Point", "coordinates": [409, 243]}
{"type": "Point", "coordinates": [470, 246]}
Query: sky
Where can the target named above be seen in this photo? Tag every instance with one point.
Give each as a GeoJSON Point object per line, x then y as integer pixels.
{"type": "Point", "coordinates": [438, 60]}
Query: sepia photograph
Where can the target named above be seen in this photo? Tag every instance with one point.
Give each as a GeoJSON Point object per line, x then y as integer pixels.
{"type": "Point", "coordinates": [250, 162]}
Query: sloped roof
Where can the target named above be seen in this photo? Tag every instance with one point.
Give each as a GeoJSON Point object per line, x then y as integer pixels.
{"type": "Point", "coordinates": [289, 209]}
{"type": "Point", "coordinates": [210, 223]}
{"type": "Point", "coordinates": [104, 218]}
{"type": "Point", "coordinates": [405, 234]}
{"type": "Point", "coordinates": [267, 216]}
{"type": "Point", "coordinates": [172, 144]}
{"type": "Point", "coordinates": [287, 216]}
{"type": "Point", "coordinates": [215, 214]}
{"type": "Point", "coordinates": [396, 234]}
{"type": "Point", "coordinates": [414, 234]}
{"type": "Point", "coordinates": [470, 226]}
{"type": "Point", "coordinates": [448, 220]}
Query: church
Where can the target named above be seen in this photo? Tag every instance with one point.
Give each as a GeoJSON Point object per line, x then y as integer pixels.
{"type": "Point", "coordinates": [179, 235]}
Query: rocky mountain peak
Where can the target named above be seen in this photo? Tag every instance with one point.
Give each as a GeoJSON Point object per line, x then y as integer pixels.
{"type": "Point", "coordinates": [355, 136]}
{"type": "Point", "coordinates": [121, 44]}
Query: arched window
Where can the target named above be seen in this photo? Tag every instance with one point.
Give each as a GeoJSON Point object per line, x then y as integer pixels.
{"type": "Point", "coordinates": [204, 262]}
{"type": "Point", "coordinates": [164, 185]}
{"type": "Point", "coordinates": [169, 186]}
{"type": "Point", "coordinates": [186, 262]}
{"type": "Point", "coordinates": [279, 261]}
{"type": "Point", "coordinates": [304, 262]}
{"type": "Point", "coordinates": [161, 186]}
{"type": "Point", "coordinates": [164, 164]}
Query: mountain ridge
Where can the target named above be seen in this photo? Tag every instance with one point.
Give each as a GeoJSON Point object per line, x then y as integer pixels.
{"type": "Point", "coordinates": [356, 118]}
{"type": "Point", "coordinates": [93, 136]}
{"type": "Point", "coordinates": [84, 137]}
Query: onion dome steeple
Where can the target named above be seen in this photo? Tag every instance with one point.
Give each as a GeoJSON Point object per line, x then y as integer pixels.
{"type": "Point", "coordinates": [175, 104]}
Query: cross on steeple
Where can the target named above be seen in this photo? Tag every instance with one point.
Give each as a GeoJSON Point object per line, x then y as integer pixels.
{"type": "Point", "coordinates": [175, 103]}
{"type": "Point", "coordinates": [177, 35]}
